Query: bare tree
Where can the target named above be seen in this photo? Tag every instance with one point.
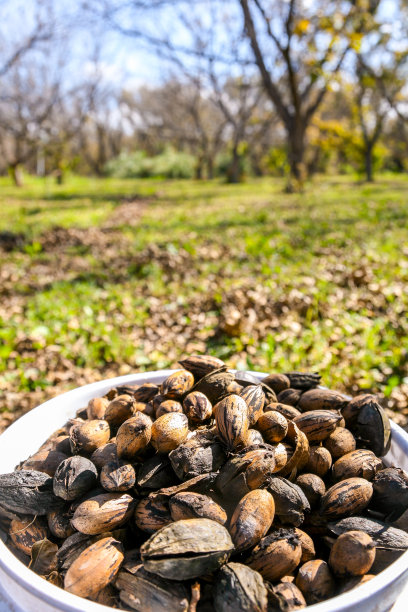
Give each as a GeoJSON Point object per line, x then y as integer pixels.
{"type": "Point", "coordinates": [298, 47]}
{"type": "Point", "coordinates": [28, 101]}
{"type": "Point", "coordinates": [39, 29]}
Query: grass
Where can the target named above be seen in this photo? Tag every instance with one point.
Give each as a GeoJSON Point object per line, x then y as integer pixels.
{"type": "Point", "coordinates": [266, 280]}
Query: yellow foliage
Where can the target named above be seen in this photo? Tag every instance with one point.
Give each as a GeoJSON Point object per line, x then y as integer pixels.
{"type": "Point", "coordinates": [356, 39]}
{"type": "Point", "coordinates": [301, 27]}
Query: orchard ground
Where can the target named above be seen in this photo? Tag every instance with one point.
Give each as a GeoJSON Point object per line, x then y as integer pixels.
{"type": "Point", "coordinates": [100, 277]}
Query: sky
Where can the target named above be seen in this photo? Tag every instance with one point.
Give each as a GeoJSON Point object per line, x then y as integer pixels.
{"type": "Point", "coordinates": [123, 61]}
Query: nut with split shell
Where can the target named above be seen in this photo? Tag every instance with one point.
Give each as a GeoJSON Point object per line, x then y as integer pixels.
{"type": "Point", "coordinates": [188, 548]}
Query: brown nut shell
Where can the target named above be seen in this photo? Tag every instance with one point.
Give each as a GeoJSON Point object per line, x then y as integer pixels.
{"type": "Point", "coordinates": [197, 407]}
{"type": "Point", "coordinates": [289, 412]}
{"type": "Point", "coordinates": [169, 431]}
{"type": "Point", "coordinates": [231, 417]}
{"type": "Point", "coordinates": [103, 513]}
{"type": "Point", "coordinates": [307, 544]}
{"type": "Point", "coordinates": [95, 568]}
{"type": "Point", "coordinates": [253, 438]}
{"type": "Point", "coordinates": [350, 496]}
{"type": "Point", "coordinates": [59, 523]}
{"type": "Point", "coordinates": [238, 588]}
{"type": "Point", "coordinates": [277, 382]}
{"type": "Point", "coordinates": [152, 514]}
{"type": "Point", "coordinates": [286, 596]}
{"type": "Point", "coordinates": [273, 426]}
{"type": "Point", "coordinates": [317, 424]}
{"type": "Point", "coordinates": [321, 399]}
{"type": "Point", "coordinates": [45, 461]}
{"type": "Point", "coordinates": [312, 486]}
{"type": "Point", "coordinates": [97, 407]}
{"type": "Point", "coordinates": [28, 530]}
{"type": "Point", "coordinates": [315, 580]}
{"type": "Point", "coordinates": [74, 477]}
{"type": "Point", "coordinates": [252, 519]}
{"type": "Point", "coordinates": [290, 397]}
{"type": "Point", "coordinates": [319, 462]}
{"type": "Point", "coordinates": [86, 437]}
{"type": "Point", "coordinates": [186, 505]}
{"type": "Point", "coordinates": [340, 442]}
{"type": "Point", "coordinates": [168, 406]}
{"type": "Point", "coordinates": [117, 476]}
{"type": "Point", "coordinates": [353, 554]}
{"type": "Point", "coordinates": [359, 463]}
{"type": "Point", "coordinates": [177, 384]}
{"type": "Point", "coordinates": [255, 400]}
{"type": "Point", "coordinates": [200, 365]}
{"type": "Point", "coordinates": [133, 436]}
{"type": "Point", "coordinates": [355, 581]}
{"type": "Point", "coordinates": [120, 410]}
{"type": "Point", "coordinates": [276, 555]}
{"type": "Point", "coordinates": [104, 454]}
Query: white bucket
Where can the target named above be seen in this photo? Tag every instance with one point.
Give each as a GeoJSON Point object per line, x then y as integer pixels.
{"type": "Point", "coordinates": [21, 590]}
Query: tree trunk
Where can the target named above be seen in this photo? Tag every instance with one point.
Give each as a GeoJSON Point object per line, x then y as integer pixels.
{"type": "Point", "coordinates": [198, 170]}
{"type": "Point", "coordinates": [296, 153]}
{"type": "Point", "coordinates": [15, 173]}
{"type": "Point", "coordinates": [210, 167]}
{"type": "Point", "coordinates": [234, 174]}
{"type": "Point", "coordinates": [368, 161]}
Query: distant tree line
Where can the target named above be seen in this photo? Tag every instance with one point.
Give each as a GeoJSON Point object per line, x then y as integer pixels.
{"type": "Point", "coordinates": [257, 87]}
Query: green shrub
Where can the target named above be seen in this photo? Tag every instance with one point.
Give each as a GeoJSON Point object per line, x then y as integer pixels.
{"type": "Point", "coordinates": [168, 164]}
